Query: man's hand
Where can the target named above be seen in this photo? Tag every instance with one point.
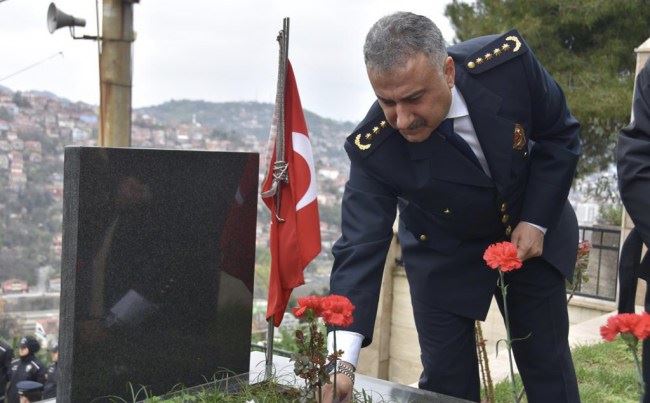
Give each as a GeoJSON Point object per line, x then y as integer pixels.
{"type": "Point", "coordinates": [344, 388]}
{"type": "Point", "coordinates": [528, 240]}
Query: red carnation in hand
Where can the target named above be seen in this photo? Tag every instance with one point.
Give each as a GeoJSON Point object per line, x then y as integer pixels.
{"type": "Point", "coordinates": [310, 302]}
{"type": "Point", "coordinates": [337, 310]}
{"type": "Point", "coordinates": [502, 256]}
{"type": "Point", "coordinates": [638, 325]}
{"type": "Point", "coordinates": [583, 248]}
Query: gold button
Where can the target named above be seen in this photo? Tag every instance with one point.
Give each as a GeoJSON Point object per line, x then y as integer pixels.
{"type": "Point", "coordinates": [508, 230]}
{"type": "Point", "coordinates": [423, 237]}
{"type": "Point", "coordinates": [446, 211]}
{"type": "Point", "coordinates": [503, 207]}
{"type": "Point", "coordinates": [471, 65]}
{"type": "Point", "coordinates": [505, 218]}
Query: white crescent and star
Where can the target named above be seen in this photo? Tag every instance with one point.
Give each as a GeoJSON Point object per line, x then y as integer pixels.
{"type": "Point", "coordinates": [302, 146]}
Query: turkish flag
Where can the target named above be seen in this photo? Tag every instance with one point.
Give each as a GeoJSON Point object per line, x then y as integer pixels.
{"type": "Point", "coordinates": [295, 241]}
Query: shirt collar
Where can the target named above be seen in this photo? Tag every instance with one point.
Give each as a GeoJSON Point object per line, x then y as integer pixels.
{"type": "Point", "coordinates": [458, 107]}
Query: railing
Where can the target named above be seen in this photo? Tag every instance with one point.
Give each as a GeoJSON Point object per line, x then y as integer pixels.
{"type": "Point", "coordinates": [602, 269]}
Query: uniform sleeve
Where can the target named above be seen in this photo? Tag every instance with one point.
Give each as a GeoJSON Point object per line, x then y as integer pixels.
{"type": "Point", "coordinates": [556, 148]}
{"type": "Point", "coordinates": [40, 374]}
{"type": "Point", "coordinates": [633, 158]}
{"type": "Point", "coordinates": [368, 211]}
{"type": "Point", "coordinates": [7, 357]}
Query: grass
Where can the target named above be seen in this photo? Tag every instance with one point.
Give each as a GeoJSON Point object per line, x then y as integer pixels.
{"type": "Point", "coordinates": [606, 374]}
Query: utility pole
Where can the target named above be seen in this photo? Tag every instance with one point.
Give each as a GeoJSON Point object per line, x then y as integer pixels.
{"type": "Point", "coordinates": [115, 73]}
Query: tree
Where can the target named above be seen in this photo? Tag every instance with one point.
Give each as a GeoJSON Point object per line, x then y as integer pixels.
{"type": "Point", "coordinates": [588, 47]}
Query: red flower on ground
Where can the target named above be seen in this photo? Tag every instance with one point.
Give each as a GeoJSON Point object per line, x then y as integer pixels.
{"type": "Point", "coordinates": [312, 302]}
{"type": "Point", "coordinates": [502, 256]}
{"type": "Point", "coordinates": [637, 325]}
{"type": "Point", "coordinates": [337, 310]}
{"type": "Point", "coordinates": [583, 248]}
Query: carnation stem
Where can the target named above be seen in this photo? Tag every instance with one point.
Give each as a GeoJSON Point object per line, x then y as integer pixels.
{"type": "Point", "coordinates": [639, 371]}
{"type": "Point", "coordinates": [504, 292]}
{"type": "Point", "coordinates": [335, 394]}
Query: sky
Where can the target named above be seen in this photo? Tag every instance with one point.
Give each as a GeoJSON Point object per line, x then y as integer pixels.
{"type": "Point", "coordinates": [215, 50]}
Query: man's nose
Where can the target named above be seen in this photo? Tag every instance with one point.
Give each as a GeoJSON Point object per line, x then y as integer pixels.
{"type": "Point", "coordinates": [403, 117]}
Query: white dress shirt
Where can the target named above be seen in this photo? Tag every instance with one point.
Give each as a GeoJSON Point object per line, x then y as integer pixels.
{"type": "Point", "coordinates": [350, 342]}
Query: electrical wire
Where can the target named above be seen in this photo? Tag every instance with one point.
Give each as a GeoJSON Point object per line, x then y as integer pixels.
{"type": "Point", "coordinates": [31, 65]}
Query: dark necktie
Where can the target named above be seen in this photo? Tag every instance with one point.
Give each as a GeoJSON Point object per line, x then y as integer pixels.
{"type": "Point", "coordinates": [446, 129]}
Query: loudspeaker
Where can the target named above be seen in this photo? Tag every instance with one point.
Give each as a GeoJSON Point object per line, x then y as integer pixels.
{"type": "Point", "coordinates": [57, 19]}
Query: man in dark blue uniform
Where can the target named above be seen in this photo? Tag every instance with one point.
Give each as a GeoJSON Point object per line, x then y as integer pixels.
{"type": "Point", "coordinates": [52, 374]}
{"type": "Point", "coordinates": [473, 144]}
{"type": "Point", "coordinates": [633, 155]}
{"type": "Point", "coordinates": [6, 355]}
{"type": "Point", "coordinates": [25, 368]}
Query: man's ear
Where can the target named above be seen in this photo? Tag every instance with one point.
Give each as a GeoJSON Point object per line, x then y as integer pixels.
{"type": "Point", "coordinates": [449, 70]}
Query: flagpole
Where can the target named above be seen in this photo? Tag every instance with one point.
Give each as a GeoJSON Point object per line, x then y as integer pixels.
{"type": "Point", "coordinates": [280, 166]}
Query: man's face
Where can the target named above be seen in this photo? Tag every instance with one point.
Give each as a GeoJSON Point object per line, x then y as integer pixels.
{"type": "Point", "coordinates": [415, 97]}
{"type": "Point", "coordinates": [23, 351]}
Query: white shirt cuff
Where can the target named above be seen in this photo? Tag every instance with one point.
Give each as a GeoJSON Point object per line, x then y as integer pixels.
{"type": "Point", "coordinates": [349, 342]}
{"type": "Point", "coordinates": [539, 227]}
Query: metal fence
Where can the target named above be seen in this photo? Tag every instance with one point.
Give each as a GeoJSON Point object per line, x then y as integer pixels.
{"type": "Point", "coordinates": [602, 269]}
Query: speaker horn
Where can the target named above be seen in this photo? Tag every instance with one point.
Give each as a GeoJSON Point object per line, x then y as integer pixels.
{"type": "Point", "coordinates": [57, 19]}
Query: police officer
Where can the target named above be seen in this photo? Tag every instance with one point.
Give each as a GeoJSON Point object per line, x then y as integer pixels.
{"type": "Point", "coordinates": [25, 368]}
{"type": "Point", "coordinates": [6, 355]}
{"type": "Point", "coordinates": [52, 374]}
{"type": "Point", "coordinates": [29, 391]}
{"type": "Point", "coordinates": [633, 158]}
{"type": "Point", "coordinates": [474, 144]}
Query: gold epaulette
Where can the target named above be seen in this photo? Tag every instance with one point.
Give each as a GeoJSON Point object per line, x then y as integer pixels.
{"type": "Point", "coordinates": [504, 48]}
{"type": "Point", "coordinates": [368, 136]}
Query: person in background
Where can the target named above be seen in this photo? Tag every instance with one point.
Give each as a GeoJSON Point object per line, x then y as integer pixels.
{"type": "Point", "coordinates": [25, 368]}
{"type": "Point", "coordinates": [6, 355]}
{"type": "Point", "coordinates": [52, 374]}
{"type": "Point", "coordinates": [29, 391]}
{"type": "Point", "coordinates": [633, 164]}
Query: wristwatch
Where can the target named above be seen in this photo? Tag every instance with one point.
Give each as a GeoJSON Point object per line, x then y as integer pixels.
{"type": "Point", "coordinates": [343, 367]}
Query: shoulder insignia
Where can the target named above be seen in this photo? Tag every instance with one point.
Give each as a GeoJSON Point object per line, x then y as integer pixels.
{"type": "Point", "coordinates": [504, 48]}
{"type": "Point", "coordinates": [368, 137]}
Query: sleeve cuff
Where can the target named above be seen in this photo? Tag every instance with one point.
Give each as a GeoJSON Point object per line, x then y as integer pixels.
{"type": "Point", "coordinates": [349, 342]}
{"type": "Point", "coordinates": [539, 227]}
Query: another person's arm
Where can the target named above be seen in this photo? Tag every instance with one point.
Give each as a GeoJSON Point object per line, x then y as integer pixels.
{"type": "Point", "coordinates": [633, 157]}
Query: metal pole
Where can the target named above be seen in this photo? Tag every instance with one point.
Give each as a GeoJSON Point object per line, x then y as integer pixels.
{"type": "Point", "coordinates": [280, 166]}
{"type": "Point", "coordinates": [115, 72]}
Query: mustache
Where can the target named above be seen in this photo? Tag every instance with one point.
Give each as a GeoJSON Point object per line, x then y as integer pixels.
{"type": "Point", "coordinates": [416, 124]}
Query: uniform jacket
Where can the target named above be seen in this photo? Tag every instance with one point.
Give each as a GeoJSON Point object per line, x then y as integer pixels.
{"type": "Point", "coordinates": [450, 210]}
{"type": "Point", "coordinates": [6, 355]}
{"type": "Point", "coordinates": [27, 368]}
{"type": "Point", "coordinates": [634, 158]}
{"type": "Point", "coordinates": [51, 380]}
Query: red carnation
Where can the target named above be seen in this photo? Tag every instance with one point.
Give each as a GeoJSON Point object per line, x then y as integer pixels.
{"type": "Point", "coordinates": [638, 325]}
{"type": "Point", "coordinates": [337, 310]}
{"type": "Point", "coordinates": [312, 302]}
{"type": "Point", "coordinates": [583, 248]}
{"type": "Point", "coordinates": [502, 256]}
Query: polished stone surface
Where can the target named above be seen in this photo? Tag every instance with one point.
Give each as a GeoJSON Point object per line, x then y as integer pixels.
{"type": "Point", "coordinates": [157, 269]}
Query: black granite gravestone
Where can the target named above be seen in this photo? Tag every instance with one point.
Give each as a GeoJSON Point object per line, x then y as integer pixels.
{"type": "Point", "coordinates": [157, 269]}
